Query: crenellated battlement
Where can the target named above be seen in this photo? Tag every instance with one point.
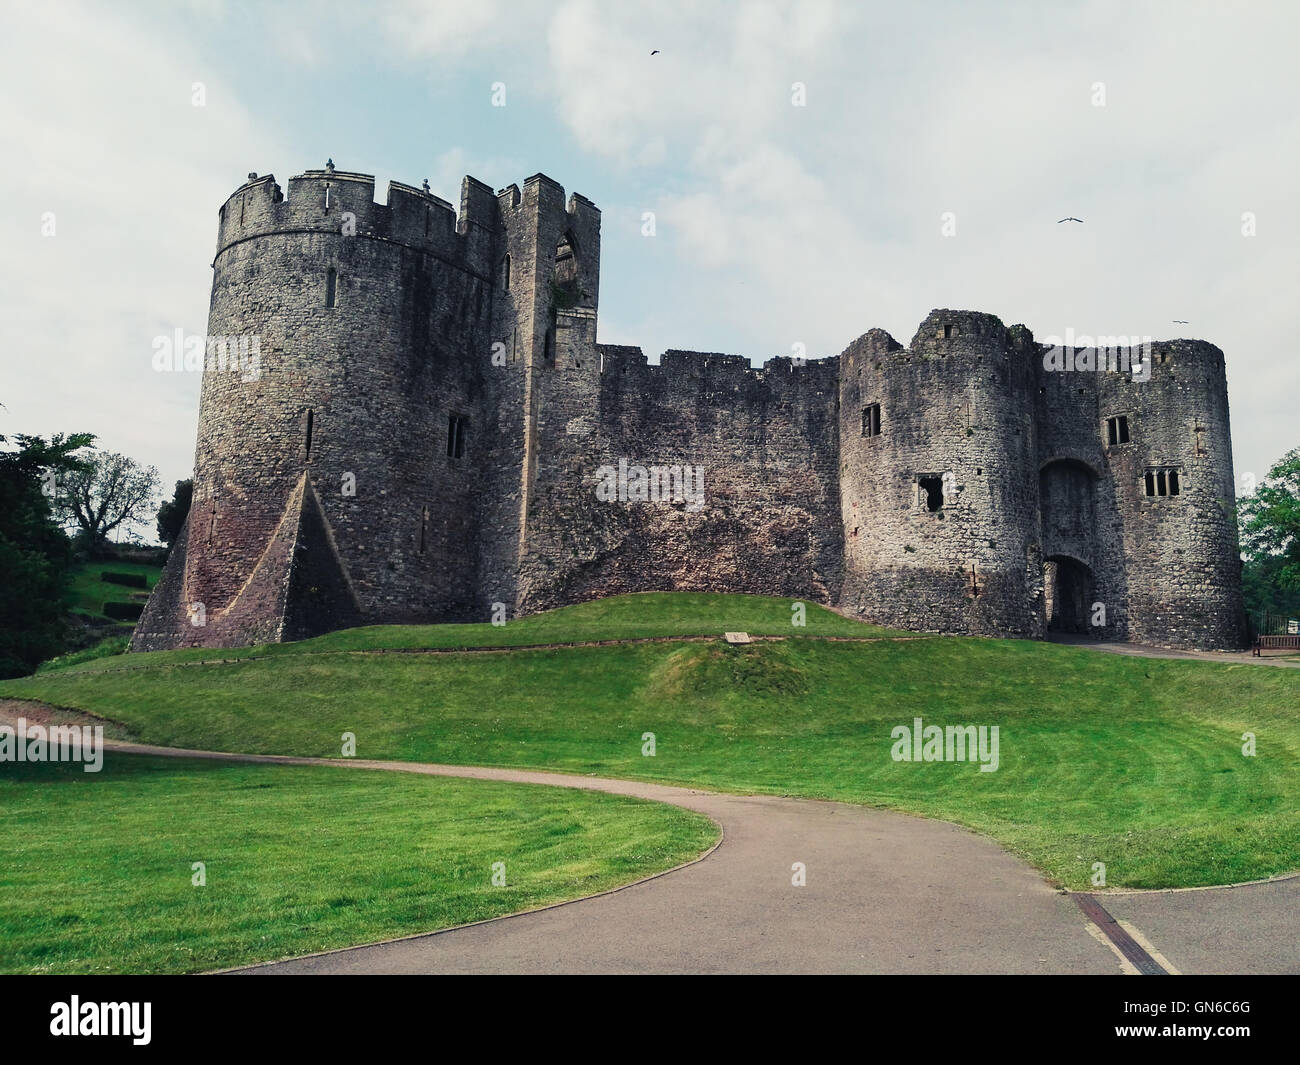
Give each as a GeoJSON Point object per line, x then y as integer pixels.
{"type": "Point", "coordinates": [332, 201]}
{"type": "Point", "coordinates": [713, 369]}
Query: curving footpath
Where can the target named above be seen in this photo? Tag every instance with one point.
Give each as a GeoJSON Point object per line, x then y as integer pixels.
{"type": "Point", "coordinates": [885, 893]}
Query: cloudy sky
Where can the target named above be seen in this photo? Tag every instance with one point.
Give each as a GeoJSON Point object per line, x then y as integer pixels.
{"type": "Point", "coordinates": [1159, 124]}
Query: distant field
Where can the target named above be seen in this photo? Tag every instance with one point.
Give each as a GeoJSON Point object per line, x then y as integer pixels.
{"type": "Point", "coordinates": [1133, 762]}
{"type": "Point", "coordinates": [96, 869]}
{"type": "Point", "coordinates": [89, 592]}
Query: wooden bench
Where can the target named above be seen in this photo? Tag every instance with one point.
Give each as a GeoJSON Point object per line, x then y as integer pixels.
{"type": "Point", "coordinates": [1275, 643]}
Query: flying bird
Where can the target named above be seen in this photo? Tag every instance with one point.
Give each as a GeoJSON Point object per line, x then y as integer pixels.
{"type": "Point", "coordinates": [1071, 219]}
{"type": "Point", "coordinates": [655, 52]}
{"type": "Point", "coordinates": [1180, 321]}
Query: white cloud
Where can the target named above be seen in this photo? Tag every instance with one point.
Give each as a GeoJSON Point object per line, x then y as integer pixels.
{"type": "Point", "coordinates": [102, 132]}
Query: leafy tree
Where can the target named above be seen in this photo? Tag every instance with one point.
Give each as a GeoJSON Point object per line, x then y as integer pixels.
{"type": "Point", "coordinates": [172, 514]}
{"type": "Point", "coordinates": [109, 491]}
{"type": "Point", "coordinates": [1270, 526]}
{"type": "Point", "coordinates": [1270, 539]}
{"type": "Point", "coordinates": [35, 554]}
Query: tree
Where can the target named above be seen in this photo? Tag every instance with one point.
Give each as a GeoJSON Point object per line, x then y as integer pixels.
{"type": "Point", "coordinates": [108, 492]}
{"type": "Point", "coordinates": [35, 555]}
{"type": "Point", "coordinates": [172, 514]}
{"type": "Point", "coordinates": [1270, 536]}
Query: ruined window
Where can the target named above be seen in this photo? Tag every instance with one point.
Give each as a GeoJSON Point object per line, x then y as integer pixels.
{"type": "Point", "coordinates": [948, 332]}
{"type": "Point", "coordinates": [1162, 481]}
{"type": "Point", "coordinates": [331, 282]}
{"type": "Point", "coordinates": [306, 446]}
{"type": "Point", "coordinates": [1198, 435]}
{"type": "Point", "coordinates": [455, 436]}
{"type": "Point", "coordinates": [871, 420]}
{"type": "Point", "coordinates": [1117, 430]}
{"type": "Point", "coordinates": [930, 491]}
{"type": "Point", "coordinates": [566, 261]}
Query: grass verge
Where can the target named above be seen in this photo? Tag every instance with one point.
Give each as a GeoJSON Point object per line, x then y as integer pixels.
{"type": "Point", "coordinates": [96, 868]}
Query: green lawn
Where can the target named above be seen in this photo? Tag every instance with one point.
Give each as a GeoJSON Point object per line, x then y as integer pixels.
{"type": "Point", "coordinates": [96, 869]}
{"type": "Point", "coordinates": [624, 617]}
{"type": "Point", "coordinates": [89, 591]}
{"type": "Point", "coordinates": [1133, 762]}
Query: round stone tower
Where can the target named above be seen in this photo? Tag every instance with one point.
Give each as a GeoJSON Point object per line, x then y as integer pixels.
{"type": "Point", "coordinates": [938, 478]}
{"type": "Point", "coordinates": [1175, 493]}
{"type": "Point", "coordinates": [331, 485]}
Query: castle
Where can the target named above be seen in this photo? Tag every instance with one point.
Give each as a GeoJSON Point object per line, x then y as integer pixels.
{"type": "Point", "coordinates": [431, 418]}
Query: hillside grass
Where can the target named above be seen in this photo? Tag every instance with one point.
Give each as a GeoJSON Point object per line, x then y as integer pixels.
{"type": "Point", "coordinates": [647, 615]}
{"type": "Point", "coordinates": [1133, 762]}
{"type": "Point", "coordinates": [96, 868]}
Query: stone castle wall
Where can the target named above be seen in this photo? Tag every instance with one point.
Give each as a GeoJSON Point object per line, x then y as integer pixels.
{"type": "Point", "coordinates": [330, 490]}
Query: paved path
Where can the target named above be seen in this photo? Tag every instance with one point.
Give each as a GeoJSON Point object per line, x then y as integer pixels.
{"type": "Point", "coordinates": [1142, 650]}
{"type": "Point", "coordinates": [885, 893]}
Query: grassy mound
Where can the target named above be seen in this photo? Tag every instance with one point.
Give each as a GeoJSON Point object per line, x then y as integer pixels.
{"type": "Point", "coordinates": [650, 615]}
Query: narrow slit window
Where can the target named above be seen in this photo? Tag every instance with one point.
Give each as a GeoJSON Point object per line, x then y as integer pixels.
{"type": "Point", "coordinates": [331, 284]}
{"type": "Point", "coordinates": [505, 274]}
{"type": "Point", "coordinates": [424, 525]}
{"type": "Point", "coordinates": [311, 421]}
{"type": "Point", "coordinates": [1199, 434]}
{"type": "Point", "coordinates": [871, 420]}
{"type": "Point", "coordinates": [455, 436]}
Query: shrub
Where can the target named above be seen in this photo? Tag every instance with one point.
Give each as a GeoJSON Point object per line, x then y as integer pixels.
{"type": "Point", "coordinates": [123, 611]}
{"type": "Point", "coordinates": [127, 580]}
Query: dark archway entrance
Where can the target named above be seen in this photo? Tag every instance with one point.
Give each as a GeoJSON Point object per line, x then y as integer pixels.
{"type": "Point", "coordinates": [1069, 592]}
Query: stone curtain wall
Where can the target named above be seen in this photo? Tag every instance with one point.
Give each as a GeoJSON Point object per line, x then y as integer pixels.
{"type": "Point", "coordinates": [764, 440]}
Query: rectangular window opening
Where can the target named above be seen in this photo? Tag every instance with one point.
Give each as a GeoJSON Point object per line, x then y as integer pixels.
{"type": "Point", "coordinates": [331, 283]}
{"type": "Point", "coordinates": [930, 492]}
{"type": "Point", "coordinates": [1117, 430]}
{"type": "Point", "coordinates": [871, 420]}
{"type": "Point", "coordinates": [1164, 481]}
